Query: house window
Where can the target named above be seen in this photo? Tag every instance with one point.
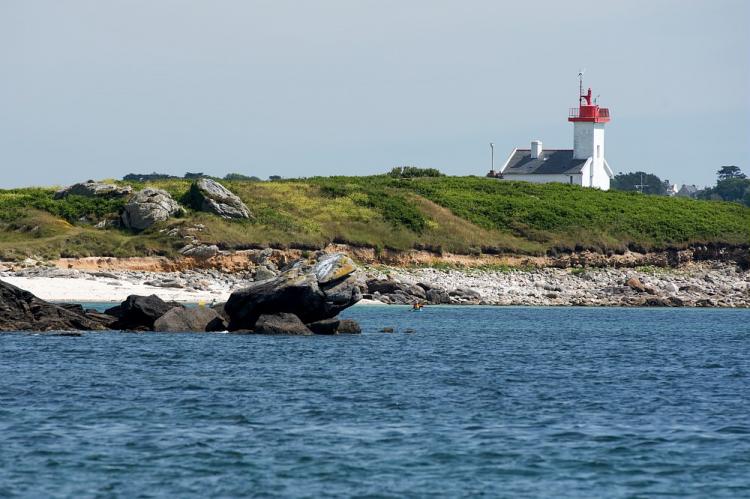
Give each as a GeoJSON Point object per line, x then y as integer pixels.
{"type": "Point", "coordinates": [598, 151]}
{"type": "Point", "coordinates": [571, 179]}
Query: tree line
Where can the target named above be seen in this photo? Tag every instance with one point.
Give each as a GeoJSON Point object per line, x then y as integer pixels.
{"type": "Point", "coordinates": [731, 185]}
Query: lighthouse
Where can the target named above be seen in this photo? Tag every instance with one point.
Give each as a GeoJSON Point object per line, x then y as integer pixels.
{"type": "Point", "coordinates": [588, 136]}
{"type": "Point", "coordinates": [584, 165]}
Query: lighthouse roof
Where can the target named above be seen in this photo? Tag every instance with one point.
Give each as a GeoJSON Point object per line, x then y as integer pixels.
{"type": "Point", "coordinates": [550, 161]}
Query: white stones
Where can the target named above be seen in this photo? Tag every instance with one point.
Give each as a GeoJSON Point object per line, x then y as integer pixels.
{"type": "Point", "coordinates": [595, 286]}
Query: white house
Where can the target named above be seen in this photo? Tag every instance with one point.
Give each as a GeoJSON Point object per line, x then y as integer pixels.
{"type": "Point", "coordinates": [583, 165]}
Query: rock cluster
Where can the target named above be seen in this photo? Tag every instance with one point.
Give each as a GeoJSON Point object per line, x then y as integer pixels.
{"type": "Point", "coordinates": [210, 196]}
{"type": "Point", "coordinates": [398, 292]}
{"type": "Point", "coordinates": [91, 188]}
{"type": "Point", "coordinates": [303, 299]}
{"type": "Point", "coordinates": [22, 311]}
{"type": "Point", "coordinates": [309, 292]}
{"type": "Point", "coordinates": [148, 207]}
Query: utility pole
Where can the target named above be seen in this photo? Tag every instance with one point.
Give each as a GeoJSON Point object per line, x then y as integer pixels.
{"type": "Point", "coordinates": [641, 185]}
{"type": "Point", "coordinates": [492, 153]}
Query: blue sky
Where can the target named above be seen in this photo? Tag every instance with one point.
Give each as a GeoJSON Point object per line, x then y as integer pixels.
{"type": "Point", "coordinates": [98, 89]}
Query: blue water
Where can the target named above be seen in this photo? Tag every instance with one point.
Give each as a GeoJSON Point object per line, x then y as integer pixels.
{"type": "Point", "coordinates": [501, 402]}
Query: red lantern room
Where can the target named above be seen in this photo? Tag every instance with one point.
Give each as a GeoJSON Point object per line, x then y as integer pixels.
{"type": "Point", "coordinates": [586, 111]}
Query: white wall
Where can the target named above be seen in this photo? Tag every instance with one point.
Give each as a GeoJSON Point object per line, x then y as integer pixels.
{"type": "Point", "coordinates": [600, 180]}
{"type": "Point", "coordinates": [586, 136]}
{"type": "Point", "coordinates": [544, 179]}
{"type": "Point", "coordinates": [588, 142]}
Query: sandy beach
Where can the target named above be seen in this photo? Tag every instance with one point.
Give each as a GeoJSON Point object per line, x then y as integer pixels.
{"type": "Point", "coordinates": [101, 290]}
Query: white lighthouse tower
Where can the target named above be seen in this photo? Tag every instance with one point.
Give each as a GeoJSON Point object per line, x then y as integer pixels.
{"type": "Point", "coordinates": [583, 165]}
{"type": "Point", "coordinates": [588, 138]}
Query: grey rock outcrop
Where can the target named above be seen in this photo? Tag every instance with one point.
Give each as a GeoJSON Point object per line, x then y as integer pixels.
{"type": "Point", "coordinates": [390, 287]}
{"type": "Point", "coordinates": [263, 273]}
{"type": "Point", "coordinates": [200, 251]}
{"type": "Point", "coordinates": [91, 188]}
{"type": "Point", "coordinates": [311, 292]}
{"type": "Point", "coordinates": [148, 207]}
{"type": "Point", "coordinates": [23, 311]}
{"type": "Point", "coordinates": [198, 319]}
{"type": "Point", "coordinates": [210, 196]}
{"type": "Point", "coordinates": [438, 296]}
{"type": "Point", "coordinates": [281, 323]}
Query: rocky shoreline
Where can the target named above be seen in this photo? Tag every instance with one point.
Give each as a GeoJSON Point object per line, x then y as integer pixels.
{"type": "Point", "coordinates": [303, 299]}
{"type": "Point", "coordinates": [696, 284]}
{"type": "Point", "coordinates": [706, 284]}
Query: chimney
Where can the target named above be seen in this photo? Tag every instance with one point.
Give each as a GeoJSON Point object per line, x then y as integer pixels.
{"type": "Point", "coordinates": [536, 148]}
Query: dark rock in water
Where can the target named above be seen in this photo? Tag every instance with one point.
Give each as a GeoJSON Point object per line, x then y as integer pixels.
{"type": "Point", "coordinates": [66, 333]}
{"type": "Point", "coordinates": [281, 323]}
{"type": "Point", "coordinates": [349, 326]}
{"type": "Point", "coordinates": [148, 207]}
{"type": "Point", "coordinates": [181, 319]}
{"type": "Point", "coordinates": [386, 330]}
{"type": "Point", "coordinates": [326, 326]}
{"type": "Point", "coordinates": [312, 293]}
{"type": "Point", "coordinates": [105, 320]}
{"type": "Point", "coordinates": [139, 312]}
{"type": "Point", "coordinates": [94, 189]}
{"type": "Point", "coordinates": [335, 326]}
{"type": "Point", "coordinates": [210, 196]}
{"type": "Point", "coordinates": [409, 331]}
{"type": "Point", "coordinates": [22, 311]}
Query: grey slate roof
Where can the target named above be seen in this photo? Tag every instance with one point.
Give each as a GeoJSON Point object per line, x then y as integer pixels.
{"type": "Point", "coordinates": [551, 161]}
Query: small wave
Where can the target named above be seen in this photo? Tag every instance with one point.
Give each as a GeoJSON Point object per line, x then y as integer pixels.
{"type": "Point", "coordinates": [734, 430]}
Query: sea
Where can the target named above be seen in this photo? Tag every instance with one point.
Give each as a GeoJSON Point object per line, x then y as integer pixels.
{"type": "Point", "coordinates": [476, 402]}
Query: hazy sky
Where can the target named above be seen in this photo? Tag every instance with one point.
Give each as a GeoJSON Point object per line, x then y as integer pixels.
{"type": "Point", "coordinates": [101, 88]}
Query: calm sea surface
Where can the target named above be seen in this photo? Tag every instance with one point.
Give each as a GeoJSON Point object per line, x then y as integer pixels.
{"type": "Point", "coordinates": [501, 402]}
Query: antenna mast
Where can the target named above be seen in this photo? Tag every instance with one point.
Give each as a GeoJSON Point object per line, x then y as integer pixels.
{"type": "Point", "coordinates": [580, 85]}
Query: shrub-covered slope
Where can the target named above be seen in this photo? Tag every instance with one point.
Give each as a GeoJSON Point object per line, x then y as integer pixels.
{"type": "Point", "coordinates": [454, 214]}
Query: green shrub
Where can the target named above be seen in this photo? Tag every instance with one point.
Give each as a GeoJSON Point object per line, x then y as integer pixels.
{"type": "Point", "coordinates": [414, 172]}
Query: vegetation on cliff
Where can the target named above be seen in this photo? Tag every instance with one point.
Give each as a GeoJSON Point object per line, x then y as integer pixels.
{"type": "Point", "coordinates": [454, 214]}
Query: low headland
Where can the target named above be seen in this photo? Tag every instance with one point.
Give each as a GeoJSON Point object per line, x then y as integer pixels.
{"type": "Point", "coordinates": [439, 240]}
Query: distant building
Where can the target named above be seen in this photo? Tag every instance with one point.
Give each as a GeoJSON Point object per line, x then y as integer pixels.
{"type": "Point", "coordinates": [671, 189]}
{"type": "Point", "coordinates": [687, 191]}
{"type": "Point", "coordinates": [583, 165]}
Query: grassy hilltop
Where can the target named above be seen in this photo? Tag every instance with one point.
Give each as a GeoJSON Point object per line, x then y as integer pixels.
{"type": "Point", "coordinates": [454, 214]}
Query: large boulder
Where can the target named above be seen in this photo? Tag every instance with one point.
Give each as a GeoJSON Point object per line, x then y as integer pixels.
{"type": "Point", "coordinates": [198, 319]}
{"type": "Point", "coordinates": [140, 312]}
{"type": "Point", "coordinates": [23, 311]}
{"type": "Point", "coordinates": [95, 189]}
{"type": "Point", "coordinates": [311, 292]}
{"type": "Point", "coordinates": [281, 323]}
{"type": "Point", "coordinates": [209, 195]}
{"type": "Point", "coordinates": [148, 207]}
